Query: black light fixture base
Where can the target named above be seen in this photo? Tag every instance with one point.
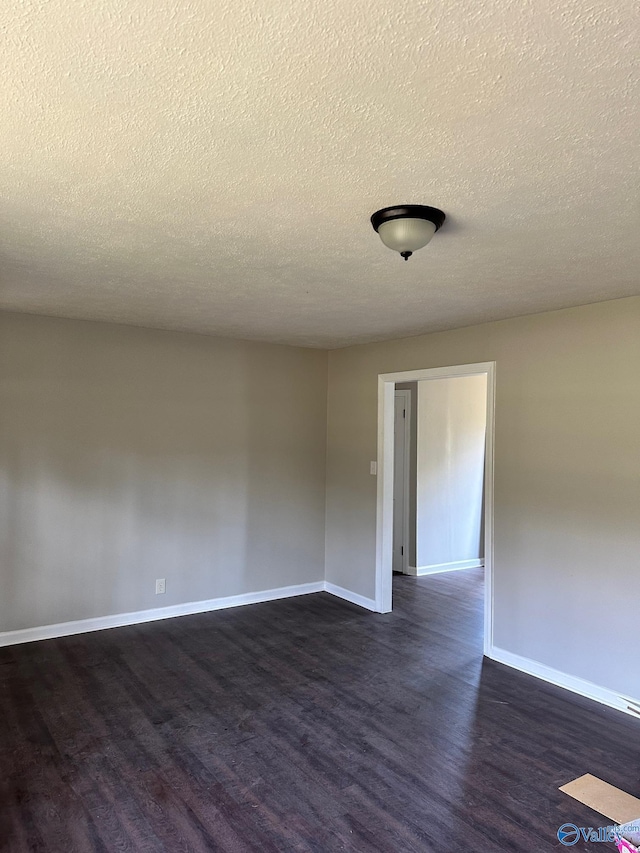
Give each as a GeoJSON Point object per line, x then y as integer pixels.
{"type": "Point", "coordinates": [408, 211]}
{"type": "Point", "coordinates": [406, 255]}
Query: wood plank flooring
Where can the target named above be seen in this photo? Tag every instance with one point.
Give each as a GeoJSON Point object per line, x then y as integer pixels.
{"type": "Point", "coordinates": [300, 725]}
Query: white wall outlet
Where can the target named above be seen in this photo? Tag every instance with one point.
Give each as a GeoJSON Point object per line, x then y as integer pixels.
{"type": "Point", "coordinates": [373, 468]}
{"type": "Point", "coordinates": [161, 586]}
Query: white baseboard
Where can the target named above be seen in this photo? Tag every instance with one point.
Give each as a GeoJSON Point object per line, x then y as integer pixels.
{"type": "Point", "coordinates": [118, 620]}
{"type": "Point", "coordinates": [437, 568]}
{"type": "Point", "coordinates": [569, 682]}
{"type": "Point", "coordinates": [64, 629]}
{"type": "Point", "coordinates": [353, 597]}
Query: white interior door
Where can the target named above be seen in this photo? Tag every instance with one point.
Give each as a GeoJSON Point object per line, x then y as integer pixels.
{"type": "Point", "coordinates": [401, 481]}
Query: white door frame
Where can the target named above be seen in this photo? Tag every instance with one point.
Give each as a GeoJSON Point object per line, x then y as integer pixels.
{"type": "Point", "coordinates": [406, 395]}
{"type": "Point", "coordinates": [384, 516]}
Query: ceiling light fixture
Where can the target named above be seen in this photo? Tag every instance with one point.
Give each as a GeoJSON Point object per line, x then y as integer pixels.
{"type": "Point", "coordinates": [407, 227]}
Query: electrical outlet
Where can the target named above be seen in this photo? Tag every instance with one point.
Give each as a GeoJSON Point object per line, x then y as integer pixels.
{"type": "Point", "coordinates": [161, 586]}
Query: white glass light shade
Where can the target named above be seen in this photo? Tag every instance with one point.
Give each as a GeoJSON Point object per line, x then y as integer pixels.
{"type": "Point", "coordinates": [406, 235]}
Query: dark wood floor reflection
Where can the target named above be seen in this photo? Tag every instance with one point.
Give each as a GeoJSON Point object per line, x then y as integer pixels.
{"type": "Point", "coordinates": [302, 725]}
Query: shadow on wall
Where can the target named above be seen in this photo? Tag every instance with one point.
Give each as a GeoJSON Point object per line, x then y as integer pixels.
{"type": "Point", "coordinates": [130, 454]}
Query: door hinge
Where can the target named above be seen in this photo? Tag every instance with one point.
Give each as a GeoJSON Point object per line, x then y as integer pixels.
{"type": "Point", "coordinates": [404, 413]}
{"type": "Point", "coordinates": [402, 550]}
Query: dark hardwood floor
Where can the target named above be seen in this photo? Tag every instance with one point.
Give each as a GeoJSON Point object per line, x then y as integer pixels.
{"type": "Point", "coordinates": [303, 725]}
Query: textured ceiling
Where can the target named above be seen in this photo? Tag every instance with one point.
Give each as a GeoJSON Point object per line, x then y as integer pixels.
{"type": "Point", "coordinates": [211, 165]}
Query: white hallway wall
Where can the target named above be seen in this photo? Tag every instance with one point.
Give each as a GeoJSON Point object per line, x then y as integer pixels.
{"type": "Point", "coordinates": [451, 422]}
{"type": "Point", "coordinates": [567, 478]}
{"type": "Point", "coordinates": [129, 454]}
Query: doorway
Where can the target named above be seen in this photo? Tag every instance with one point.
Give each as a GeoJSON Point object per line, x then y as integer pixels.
{"type": "Point", "coordinates": [386, 473]}
{"type": "Point", "coordinates": [401, 480]}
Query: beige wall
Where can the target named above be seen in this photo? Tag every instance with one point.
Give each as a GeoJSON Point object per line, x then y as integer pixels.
{"type": "Point", "coordinates": [567, 478]}
{"type": "Point", "coordinates": [128, 455]}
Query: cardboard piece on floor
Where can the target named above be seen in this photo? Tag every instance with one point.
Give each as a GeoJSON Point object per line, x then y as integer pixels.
{"type": "Point", "coordinates": [604, 798]}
